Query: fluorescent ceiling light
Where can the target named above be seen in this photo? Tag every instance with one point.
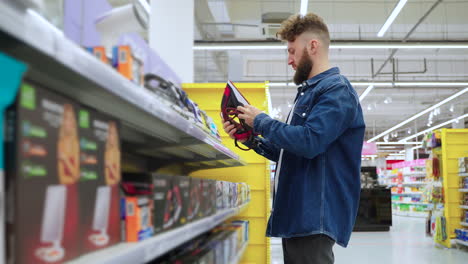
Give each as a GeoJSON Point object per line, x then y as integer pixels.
{"type": "Point", "coordinates": [386, 84]}
{"type": "Point", "coordinates": [387, 147]}
{"type": "Point", "coordinates": [427, 110]}
{"type": "Point", "coordinates": [367, 91]}
{"type": "Point", "coordinates": [304, 4]}
{"type": "Point", "coordinates": [280, 46]}
{"type": "Point", "coordinates": [435, 127]}
{"type": "Point", "coordinates": [391, 18]}
{"type": "Point", "coordinates": [398, 143]}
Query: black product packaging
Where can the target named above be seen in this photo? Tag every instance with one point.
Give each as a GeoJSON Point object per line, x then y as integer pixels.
{"type": "Point", "coordinates": [179, 200]}
{"type": "Point", "coordinates": [162, 200]}
{"type": "Point", "coordinates": [208, 200]}
{"type": "Point", "coordinates": [194, 209]}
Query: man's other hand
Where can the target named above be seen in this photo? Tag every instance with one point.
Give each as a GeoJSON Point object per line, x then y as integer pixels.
{"type": "Point", "coordinates": [249, 114]}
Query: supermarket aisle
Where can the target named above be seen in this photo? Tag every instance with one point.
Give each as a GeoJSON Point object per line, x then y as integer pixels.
{"type": "Point", "coordinates": [404, 244]}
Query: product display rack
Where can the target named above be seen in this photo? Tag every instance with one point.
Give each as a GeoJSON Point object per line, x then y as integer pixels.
{"type": "Point", "coordinates": [405, 202]}
{"type": "Point", "coordinates": [153, 128]}
{"type": "Point", "coordinates": [256, 174]}
{"type": "Point", "coordinates": [147, 250]}
{"type": "Point", "coordinates": [463, 190]}
{"type": "Point", "coordinates": [154, 137]}
{"type": "Point", "coordinates": [454, 145]}
{"type": "Point", "coordinates": [460, 242]}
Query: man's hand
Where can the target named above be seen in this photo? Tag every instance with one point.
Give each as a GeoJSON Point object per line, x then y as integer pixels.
{"type": "Point", "coordinates": [249, 114]}
{"type": "Point", "coordinates": [231, 130]}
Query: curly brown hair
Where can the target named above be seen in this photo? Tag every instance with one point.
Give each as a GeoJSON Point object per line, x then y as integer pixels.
{"type": "Point", "coordinates": [295, 25]}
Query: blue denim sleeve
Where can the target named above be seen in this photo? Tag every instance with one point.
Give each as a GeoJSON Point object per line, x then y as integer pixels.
{"type": "Point", "coordinates": [265, 148]}
{"type": "Point", "coordinates": [333, 113]}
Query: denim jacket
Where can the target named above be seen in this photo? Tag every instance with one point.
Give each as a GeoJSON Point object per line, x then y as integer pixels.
{"type": "Point", "coordinates": [319, 181]}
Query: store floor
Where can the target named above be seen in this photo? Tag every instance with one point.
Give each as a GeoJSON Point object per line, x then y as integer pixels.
{"type": "Point", "coordinates": [405, 243]}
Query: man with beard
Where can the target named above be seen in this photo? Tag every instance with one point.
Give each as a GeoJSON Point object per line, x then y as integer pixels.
{"type": "Point", "coordinates": [317, 149]}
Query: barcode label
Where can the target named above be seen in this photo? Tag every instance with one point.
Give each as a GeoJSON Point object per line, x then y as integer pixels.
{"type": "Point", "coordinates": [123, 56]}
{"type": "Point", "coordinates": [130, 209]}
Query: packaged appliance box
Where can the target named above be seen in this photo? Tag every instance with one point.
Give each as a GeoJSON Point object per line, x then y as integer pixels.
{"type": "Point", "coordinates": [207, 198]}
{"type": "Point", "coordinates": [137, 206]}
{"type": "Point", "coordinates": [162, 199]}
{"type": "Point", "coordinates": [212, 196]}
{"type": "Point", "coordinates": [138, 217]}
{"type": "Point", "coordinates": [99, 52]}
{"type": "Point", "coordinates": [125, 62]}
{"type": "Point", "coordinates": [100, 175]}
{"type": "Point", "coordinates": [219, 195]}
{"type": "Point", "coordinates": [194, 210]}
{"type": "Point", "coordinates": [43, 176]}
{"type": "Point", "coordinates": [180, 200]}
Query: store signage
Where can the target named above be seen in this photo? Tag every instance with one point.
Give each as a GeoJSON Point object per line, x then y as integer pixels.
{"type": "Point", "coordinates": [410, 163]}
{"type": "Point", "coordinates": [369, 148]}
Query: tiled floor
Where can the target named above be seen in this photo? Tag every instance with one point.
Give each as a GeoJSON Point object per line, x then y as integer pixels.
{"type": "Point", "coordinates": [405, 243]}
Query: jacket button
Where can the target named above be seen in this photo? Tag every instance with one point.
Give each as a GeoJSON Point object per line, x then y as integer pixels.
{"type": "Point", "coordinates": [303, 114]}
{"type": "Point", "coordinates": [302, 93]}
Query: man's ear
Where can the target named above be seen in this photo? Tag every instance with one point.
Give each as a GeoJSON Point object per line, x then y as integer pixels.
{"type": "Point", "coordinates": [312, 46]}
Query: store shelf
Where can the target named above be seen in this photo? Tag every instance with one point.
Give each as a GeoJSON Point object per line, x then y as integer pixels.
{"type": "Point", "coordinates": [463, 174]}
{"type": "Point", "coordinates": [408, 184]}
{"type": "Point", "coordinates": [149, 126]}
{"type": "Point", "coordinates": [411, 214]}
{"type": "Point", "coordinates": [461, 242]}
{"type": "Point", "coordinates": [412, 203]}
{"type": "Point", "coordinates": [464, 206]}
{"type": "Point", "coordinates": [240, 254]}
{"type": "Point", "coordinates": [408, 193]}
{"type": "Point", "coordinates": [463, 223]}
{"type": "Point", "coordinates": [147, 250]}
{"type": "Point", "coordinates": [463, 190]}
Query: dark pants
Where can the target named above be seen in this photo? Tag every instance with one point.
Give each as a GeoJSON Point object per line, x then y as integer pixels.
{"type": "Point", "coordinates": [315, 249]}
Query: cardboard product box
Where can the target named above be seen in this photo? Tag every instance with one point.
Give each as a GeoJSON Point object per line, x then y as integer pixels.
{"type": "Point", "coordinates": [100, 175]}
{"type": "Point", "coordinates": [212, 195]}
{"type": "Point", "coordinates": [138, 217]}
{"type": "Point", "coordinates": [127, 64]}
{"type": "Point", "coordinates": [226, 195]}
{"type": "Point", "coordinates": [194, 210]}
{"type": "Point", "coordinates": [234, 195]}
{"type": "Point", "coordinates": [162, 198]}
{"type": "Point", "coordinates": [181, 200]}
{"type": "Point", "coordinates": [99, 52]}
{"type": "Point", "coordinates": [208, 200]}
{"type": "Point", "coordinates": [42, 177]}
{"type": "Point", "coordinates": [219, 195]}
{"type": "Point", "coordinates": [244, 224]}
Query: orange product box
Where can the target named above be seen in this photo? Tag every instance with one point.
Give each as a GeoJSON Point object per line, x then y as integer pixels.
{"type": "Point", "coordinates": [137, 217]}
{"type": "Point", "coordinates": [127, 64]}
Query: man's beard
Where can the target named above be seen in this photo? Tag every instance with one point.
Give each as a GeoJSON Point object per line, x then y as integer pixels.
{"type": "Point", "coordinates": [303, 68]}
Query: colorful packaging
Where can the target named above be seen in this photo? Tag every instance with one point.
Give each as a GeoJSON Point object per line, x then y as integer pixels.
{"type": "Point", "coordinates": [219, 195]}
{"type": "Point", "coordinates": [99, 52]}
{"type": "Point", "coordinates": [100, 176]}
{"type": "Point", "coordinates": [42, 177]}
{"type": "Point", "coordinates": [138, 218]}
{"type": "Point", "coordinates": [127, 64]}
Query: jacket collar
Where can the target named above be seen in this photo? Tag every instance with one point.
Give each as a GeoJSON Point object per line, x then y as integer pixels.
{"type": "Point", "coordinates": [317, 78]}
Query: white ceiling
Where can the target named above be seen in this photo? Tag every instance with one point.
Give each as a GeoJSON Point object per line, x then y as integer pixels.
{"type": "Point", "coordinates": [348, 20]}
